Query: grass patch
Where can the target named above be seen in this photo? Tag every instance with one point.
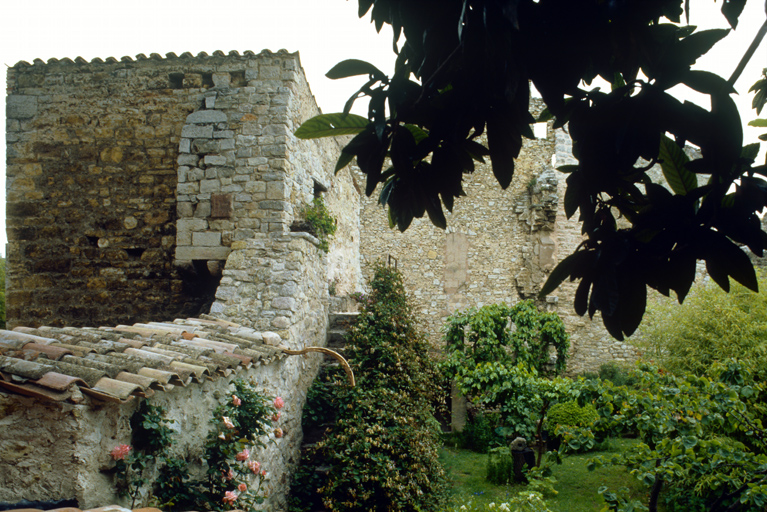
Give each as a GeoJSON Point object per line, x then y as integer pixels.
{"type": "Point", "coordinates": [576, 485]}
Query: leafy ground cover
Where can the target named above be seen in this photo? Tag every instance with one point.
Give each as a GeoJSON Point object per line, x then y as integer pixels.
{"type": "Point", "coordinates": [576, 485]}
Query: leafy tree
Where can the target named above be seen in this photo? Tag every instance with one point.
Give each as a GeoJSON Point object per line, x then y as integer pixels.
{"type": "Point", "coordinates": [462, 72]}
{"type": "Point", "coordinates": [711, 326]}
{"type": "Point", "coordinates": [507, 334]}
{"type": "Point", "coordinates": [701, 445]}
{"type": "Point", "coordinates": [497, 356]}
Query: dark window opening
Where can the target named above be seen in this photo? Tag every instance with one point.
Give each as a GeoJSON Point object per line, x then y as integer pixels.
{"type": "Point", "coordinates": [200, 282]}
{"type": "Point", "coordinates": [319, 188]}
{"type": "Point", "coordinates": [207, 79]}
{"type": "Point", "coordinates": [238, 79]}
{"type": "Point", "coordinates": [176, 80]}
{"type": "Point", "coordinates": [135, 252]}
{"type": "Point", "coordinates": [93, 240]}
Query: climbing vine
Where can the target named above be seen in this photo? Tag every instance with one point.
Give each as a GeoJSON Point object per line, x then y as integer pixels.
{"type": "Point", "coordinates": [506, 334]}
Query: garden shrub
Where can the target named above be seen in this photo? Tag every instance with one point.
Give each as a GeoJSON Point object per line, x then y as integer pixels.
{"type": "Point", "coordinates": [480, 433]}
{"type": "Point", "coordinates": [508, 334]}
{"type": "Point", "coordinates": [571, 414]}
{"type": "Point", "coordinates": [700, 439]}
{"type": "Point", "coordinates": [617, 374]}
{"type": "Point", "coordinates": [382, 451]}
{"type": "Point", "coordinates": [712, 325]}
{"type": "Point", "coordinates": [233, 480]}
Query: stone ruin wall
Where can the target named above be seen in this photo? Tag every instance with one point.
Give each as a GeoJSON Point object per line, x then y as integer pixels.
{"type": "Point", "coordinates": [129, 181]}
{"type": "Point", "coordinates": [52, 451]}
{"type": "Point", "coordinates": [500, 246]}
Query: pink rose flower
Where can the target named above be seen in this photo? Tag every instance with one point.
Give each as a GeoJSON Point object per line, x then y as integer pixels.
{"type": "Point", "coordinates": [279, 403]}
{"type": "Point", "coordinates": [228, 422]}
{"type": "Point", "coordinates": [275, 416]}
{"type": "Point", "coordinates": [263, 473]}
{"type": "Point", "coordinates": [243, 455]}
{"type": "Point", "coordinates": [120, 451]}
{"type": "Point", "coordinates": [229, 475]}
{"type": "Point", "coordinates": [278, 433]}
{"type": "Point", "coordinates": [254, 466]}
{"type": "Point", "coordinates": [230, 497]}
{"type": "Point", "coordinates": [242, 487]}
{"type": "Point", "coordinates": [236, 401]}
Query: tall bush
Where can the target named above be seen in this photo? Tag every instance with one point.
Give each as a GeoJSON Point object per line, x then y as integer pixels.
{"type": "Point", "coordinates": [710, 326]}
{"type": "Point", "coordinates": [382, 452]}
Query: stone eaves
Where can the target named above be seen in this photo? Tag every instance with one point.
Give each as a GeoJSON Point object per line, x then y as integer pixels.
{"type": "Point", "coordinates": [118, 363]}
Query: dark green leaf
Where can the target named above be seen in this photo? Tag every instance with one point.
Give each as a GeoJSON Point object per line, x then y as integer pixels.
{"type": "Point", "coordinates": [707, 83]}
{"type": "Point", "coordinates": [699, 43]}
{"type": "Point", "coordinates": [364, 7]}
{"type": "Point", "coordinates": [580, 303]}
{"type": "Point", "coordinates": [434, 210]}
{"type": "Point", "coordinates": [354, 67]}
{"type": "Point", "coordinates": [418, 133]}
{"type": "Point", "coordinates": [343, 160]}
{"type": "Point", "coordinates": [732, 9]}
{"type": "Point", "coordinates": [672, 161]}
{"type": "Point", "coordinates": [331, 125]}
{"type": "Point", "coordinates": [562, 271]}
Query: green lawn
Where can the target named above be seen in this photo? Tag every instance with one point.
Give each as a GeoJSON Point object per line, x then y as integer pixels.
{"type": "Point", "coordinates": [576, 485]}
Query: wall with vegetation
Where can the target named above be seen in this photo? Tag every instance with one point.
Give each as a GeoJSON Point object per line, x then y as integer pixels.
{"type": "Point", "coordinates": [499, 246]}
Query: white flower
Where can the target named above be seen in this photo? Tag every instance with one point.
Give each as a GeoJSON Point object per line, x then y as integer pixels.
{"type": "Point", "coordinates": [504, 507]}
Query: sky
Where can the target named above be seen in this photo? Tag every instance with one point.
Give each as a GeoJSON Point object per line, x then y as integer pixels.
{"type": "Point", "coordinates": [324, 32]}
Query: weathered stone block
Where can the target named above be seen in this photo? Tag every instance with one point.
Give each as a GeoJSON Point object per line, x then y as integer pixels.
{"type": "Point", "coordinates": [205, 117]}
{"type": "Point", "coordinates": [201, 253]}
{"type": "Point", "coordinates": [202, 210]}
{"type": "Point", "coordinates": [19, 106]}
{"type": "Point", "coordinates": [210, 186]}
{"type": "Point", "coordinates": [206, 239]}
{"type": "Point", "coordinates": [197, 131]}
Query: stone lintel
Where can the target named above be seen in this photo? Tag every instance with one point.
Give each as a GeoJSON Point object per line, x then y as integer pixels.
{"type": "Point", "coordinates": [186, 253]}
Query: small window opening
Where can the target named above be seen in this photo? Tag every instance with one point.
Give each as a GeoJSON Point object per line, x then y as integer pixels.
{"type": "Point", "coordinates": [238, 79]}
{"type": "Point", "coordinates": [176, 80]}
{"type": "Point", "coordinates": [135, 252]}
{"type": "Point", "coordinates": [207, 79]}
{"type": "Point", "coordinates": [319, 188]}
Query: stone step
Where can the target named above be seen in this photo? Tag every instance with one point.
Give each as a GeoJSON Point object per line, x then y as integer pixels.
{"type": "Point", "coordinates": [336, 338]}
{"type": "Point", "coordinates": [342, 320]}
{"type": "Point", "coordinates": [344, 303]}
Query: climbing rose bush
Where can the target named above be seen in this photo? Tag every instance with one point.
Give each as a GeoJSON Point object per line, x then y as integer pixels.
{"type": "Point", "coordinates": [241, 424]}
{"type": "Point", "coordinates": [120, 451]}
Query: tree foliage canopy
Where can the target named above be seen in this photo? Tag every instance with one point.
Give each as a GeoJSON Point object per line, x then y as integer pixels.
{"type": "Point", "coordinates": [463, 69]}
{"type": "Point", "coordinates": [710, 327]}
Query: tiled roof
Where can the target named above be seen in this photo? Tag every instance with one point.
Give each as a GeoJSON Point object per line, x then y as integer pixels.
{"type": "Point", "coordinates": [154, 56]}
{"type": "Point", "coordinates": [117, 363]}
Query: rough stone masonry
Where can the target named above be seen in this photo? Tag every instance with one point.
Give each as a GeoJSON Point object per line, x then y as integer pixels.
{"type": "Point", "coordinates": [147, 188]}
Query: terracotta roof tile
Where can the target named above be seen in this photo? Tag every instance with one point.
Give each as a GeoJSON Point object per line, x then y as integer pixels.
{"type": "Point", "coordinates": [118, 363]}
{"type": "Point", "coordinates": [51, 351]}
{"type": "Point", "coordinates": [59, 381]}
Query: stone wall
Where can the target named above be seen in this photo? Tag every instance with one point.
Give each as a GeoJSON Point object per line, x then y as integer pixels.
{"type": "Point", "coordinates": [128, 181]}
{"type": "Point", "coordinates": [158, 188]}
{"type": "Point", "coordinates": [51, 451]}
{"type": "Point", "coordinates": [500, 246]}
